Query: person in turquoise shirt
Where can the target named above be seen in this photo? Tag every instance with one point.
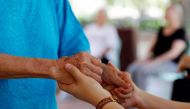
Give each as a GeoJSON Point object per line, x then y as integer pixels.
{"type": "Point", "coordinates": [36, 29]}
{"type": "Point", "coordinates": [37, 39]}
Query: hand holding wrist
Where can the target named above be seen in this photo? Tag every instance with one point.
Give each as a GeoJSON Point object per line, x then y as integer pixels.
{"type": "Point", "coordinates": [59, 73]}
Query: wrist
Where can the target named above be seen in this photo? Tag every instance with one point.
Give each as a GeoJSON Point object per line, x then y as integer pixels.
{"type": "Point", "coordinates": [56, 67]}
{"type": "Point", "coordinates": [41, 68]}
{"type": "Point", "coordinates": [99, 96]}
{"type": "Point", "coordinates": [140, 103]}
{"type": "Point", "coordinates": [52, 68]}
{"type": "Point", "coordinates": [106, 103]}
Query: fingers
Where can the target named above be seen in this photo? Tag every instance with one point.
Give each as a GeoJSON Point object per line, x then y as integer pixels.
{"type": "Point", "coordinates": [64, 87]}
{"type": "Point", "coordinates": [123, 80]}
{"type": "Point", "coordinates": [92, 75]}
{"type": "Point", "coordinates": [117, 79]}
{"type": "Point", "coordinates": [119, 82]}
{"type": "Point", "coordinates": [113, 67]}
{"type": "Point", "coordinates": [96, 61]}
{"type": "Point", "coordinates": [86, 57]}
{"type": "Point", "coordinates": [124, 93]}
{"type": "Point", "coordinates": [93, 68]}
{"type": "Point", "coordinates": [111, 76]}
{"type": "Point", "coordinates": [74, 71]}
{"type": "Point", "coordinates": [124, 96]}
{"type": "Point", "coordinates": [127, 78]}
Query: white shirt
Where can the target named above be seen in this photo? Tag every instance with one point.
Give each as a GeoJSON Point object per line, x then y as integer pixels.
{"type": "Point", "coordinates": [101, 38]}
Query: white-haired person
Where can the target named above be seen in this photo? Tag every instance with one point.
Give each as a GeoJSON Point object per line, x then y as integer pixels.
{"type": "Point", "coordinates": [166, 50]}
{"type": "Point", "coordinates": [104, 39]}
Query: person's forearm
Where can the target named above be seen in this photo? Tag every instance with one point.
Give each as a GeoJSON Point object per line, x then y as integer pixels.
{"type": "Point", "coordinates": [19, 67]}
{"type": "Point", "coordinates": [113, 105]}
{"type": "Point", "coordinates": [152, 102]}
{"type": "Point", "coordinates": [165, 57]}
{"type": "Point", "coordinates": [177, 48]}
{"type": "Point", "coordinates": [96, 98]}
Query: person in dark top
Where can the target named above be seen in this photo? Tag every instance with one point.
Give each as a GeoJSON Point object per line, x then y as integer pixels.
{"type": "Point", "coordinates": [167, 49]}
{"type": "Point", "coordinates": [164, 43]}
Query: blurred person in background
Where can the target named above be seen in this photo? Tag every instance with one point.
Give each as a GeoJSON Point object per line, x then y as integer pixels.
{"type": "Point", "coordinates": [104, 39]}
{"type": "Point", "coordinates": [167, 49]}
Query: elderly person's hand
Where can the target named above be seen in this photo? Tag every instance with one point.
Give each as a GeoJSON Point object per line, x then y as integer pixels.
{"type": "Point", "coordinates": [117, 82]}
{"type": "Point", "coordinates": [91, 67]}
{"type": "Point", "coordinates": [85, 62]}
{"type": "Point", "coordinates": [110, 76]}
{"type": "Point", "coordinates": [184, 64]}
{"type": "Point", "coordinates": [128, 97]}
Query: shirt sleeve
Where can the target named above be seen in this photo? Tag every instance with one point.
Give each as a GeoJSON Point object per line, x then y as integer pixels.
{"type": "Point", "coordinates": [72, 37]}
{"type": "Point", "coordinates": [181, 34]}
{"type": "Point", "coordinates": [160, 32]}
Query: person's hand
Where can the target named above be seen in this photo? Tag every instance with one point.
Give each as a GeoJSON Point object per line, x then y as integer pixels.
{"type": "Point", "coordinates": [59, 73]}
{"type": "Point", "coordinates": [85, 62]}
{"type": "Point", "coordinates": [112, 79]}
{"type": "Point", "coordinates": [84, 87]}
{"type": "Point", "coordinates": [110, 76]}
{"type": "Point", "coordinates": [135, 101]}
{"type": "Point", "coordinates": [128, 97]}
{"type": "Point", "coordinates": [184, 64]}
{"type": "Point", "coordinates": [124, 92]}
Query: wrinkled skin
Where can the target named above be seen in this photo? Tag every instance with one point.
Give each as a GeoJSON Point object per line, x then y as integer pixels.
{"type": "Point", "coordinates": [109, 76]}
{"type": "Point", "coordinates": [128, 97]}
{"type": "Point", "coordinates": [84, 62]}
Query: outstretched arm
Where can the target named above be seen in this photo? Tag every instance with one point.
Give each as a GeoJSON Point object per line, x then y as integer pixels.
{"type": "Point", "coordinates": [177, 48]}
{"type": "Point", "coordinates": [143, 100]}
{"type": "Point", "coordinates": [19, 67]}
{"type": "Point", "coordinates": [152, 102]}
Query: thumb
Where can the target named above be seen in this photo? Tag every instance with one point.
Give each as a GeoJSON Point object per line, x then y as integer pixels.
{"type": "Point", "coordinates": [74, 71]}
{"type": "Point", "coordinates": [64, 87]}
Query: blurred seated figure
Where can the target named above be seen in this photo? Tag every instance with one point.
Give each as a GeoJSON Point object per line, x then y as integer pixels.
{"type": "Point", "coordinates": [104, 39]}
{"type": "Point", "coordinates": [166, 51]}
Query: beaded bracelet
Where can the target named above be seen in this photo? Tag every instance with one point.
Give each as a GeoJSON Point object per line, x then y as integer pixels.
{"type": "Point", "coordinates": [105, 101]}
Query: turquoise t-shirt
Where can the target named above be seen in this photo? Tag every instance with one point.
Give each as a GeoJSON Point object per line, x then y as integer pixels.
{"type": "Point", "coordinates": [38, 29]}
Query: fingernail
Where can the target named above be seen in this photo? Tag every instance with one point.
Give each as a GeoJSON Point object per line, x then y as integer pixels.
{"type": "Point", "coordinates": [68, 66]}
